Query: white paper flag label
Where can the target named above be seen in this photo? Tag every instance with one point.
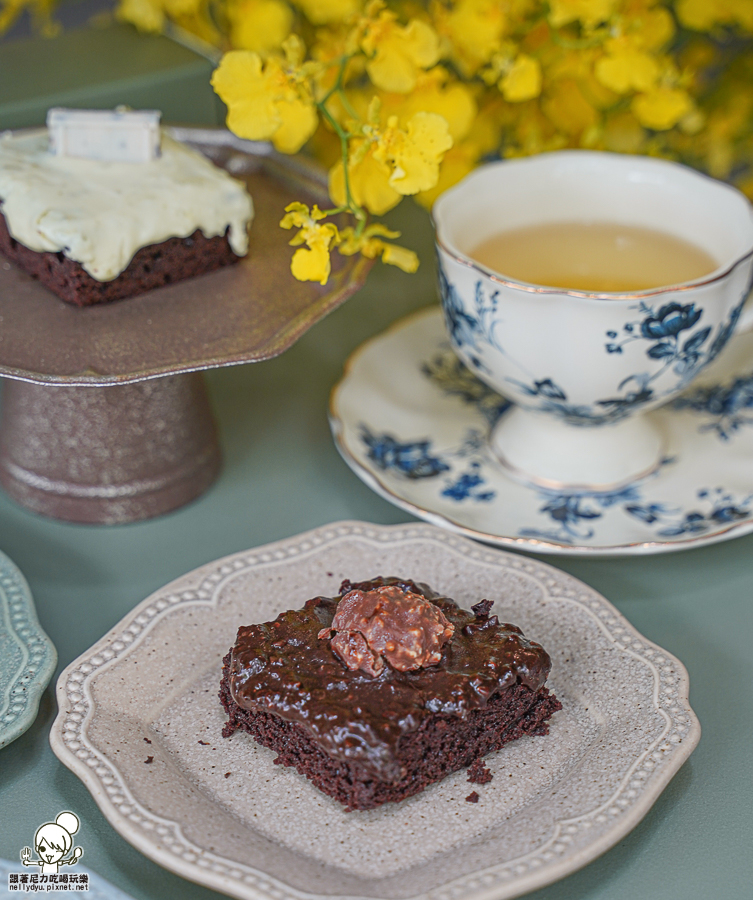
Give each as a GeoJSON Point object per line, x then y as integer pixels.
{"type": "Point", "coordinates": [106, 135]}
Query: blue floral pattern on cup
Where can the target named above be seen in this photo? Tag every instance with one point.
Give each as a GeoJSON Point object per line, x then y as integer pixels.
{"type": "Point", "coordinates": [472, 331]}
{"type": "Point", "coordinates": [466, 329]}
{"type": "Point", "coordinates": [675, 343]}
{"type": "Point", "coordinates": [457, 380]}
{"type": "Point", "coordinates": [664, 329]}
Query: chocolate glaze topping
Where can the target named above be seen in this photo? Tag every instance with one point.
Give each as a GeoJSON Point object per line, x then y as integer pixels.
{"type": "Point", "coordinates": [282, 667]}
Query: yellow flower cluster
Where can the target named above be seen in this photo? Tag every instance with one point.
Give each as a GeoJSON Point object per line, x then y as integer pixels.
{"type": "Point", "coordinates": [407, 99]}
{"type": "Point", "coordinates": [312, 262]}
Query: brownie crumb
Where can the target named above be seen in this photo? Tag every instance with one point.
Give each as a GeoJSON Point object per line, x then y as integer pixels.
{"type": "Point", "coordinates": [472, 798]}
{"type": "Point", "coordinates": [228, 774]}
{"type": "Point", "coordinates": [204, 743]}
{"type": "Point", "coordinates": [482, 609]}
{"type": "Point", "coordinates": [149, 760]}
{"type": "Point", "coordinates": [147, 740]}
{"type": "Point", "coordinates": [478, 773]}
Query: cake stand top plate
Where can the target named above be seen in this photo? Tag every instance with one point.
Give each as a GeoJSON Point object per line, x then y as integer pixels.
{"type": "Point", "coordinates": [243, 313]}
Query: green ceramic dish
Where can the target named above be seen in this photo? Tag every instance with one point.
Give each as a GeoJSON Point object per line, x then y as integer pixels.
{"type": "Point", "coordinates": [27, 656]}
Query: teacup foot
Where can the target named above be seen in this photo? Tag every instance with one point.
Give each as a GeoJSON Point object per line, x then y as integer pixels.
{"type": "Point", "coordinates": [544, 451]}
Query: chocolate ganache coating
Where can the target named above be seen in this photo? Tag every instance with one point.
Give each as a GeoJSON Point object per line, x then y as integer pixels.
{"type": "Point", "coordinates": [283, 668]}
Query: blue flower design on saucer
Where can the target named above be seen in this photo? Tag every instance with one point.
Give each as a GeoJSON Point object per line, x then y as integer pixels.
{"type": "Point", "coordinates": [723, 509]}
{"type": "Point", "coordinates": [412, 459]}
{"type": "Point", "coordinates": [416, 459]}
{"type": "Point", "coordinates": [572, 512]}
{"type": "Point", "coordinates": [467, 486]}
{"type": "Point", "coordinates": [725, 404]}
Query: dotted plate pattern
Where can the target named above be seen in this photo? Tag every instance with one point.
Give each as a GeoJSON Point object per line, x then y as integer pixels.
{"type": "Point", "coordinates": [27, 656]}
{"type": "Point", "coordinates": [570, 843]}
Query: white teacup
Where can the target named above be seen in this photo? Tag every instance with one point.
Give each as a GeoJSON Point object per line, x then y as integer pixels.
{"type": "Point", "coordinates": [582, 368]}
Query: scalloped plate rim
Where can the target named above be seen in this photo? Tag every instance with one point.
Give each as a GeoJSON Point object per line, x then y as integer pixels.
{"type": "Point", "coordinates": [42, 677]}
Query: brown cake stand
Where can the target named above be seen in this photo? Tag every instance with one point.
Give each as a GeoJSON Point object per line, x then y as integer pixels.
{"type": "Point", "coordinates": [105, 416]}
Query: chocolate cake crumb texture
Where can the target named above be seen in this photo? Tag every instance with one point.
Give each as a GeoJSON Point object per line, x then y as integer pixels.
{"type": "Point", "coordinates": [472, 798]}
{"type": "Point", "coordinates": [478, 773]}
{"type": "Point", "coordinates": [151, 267]}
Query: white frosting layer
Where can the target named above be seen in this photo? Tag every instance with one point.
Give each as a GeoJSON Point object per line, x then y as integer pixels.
{"type": "Point", "coordinates": [101, 213]}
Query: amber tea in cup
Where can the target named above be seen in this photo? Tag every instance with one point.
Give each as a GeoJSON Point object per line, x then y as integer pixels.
{"type": "Point", "coordinates": [593, 256]}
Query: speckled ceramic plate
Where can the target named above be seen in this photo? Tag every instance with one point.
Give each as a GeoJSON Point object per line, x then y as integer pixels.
{"type": "Point", "coordinates": [140, 724]}
{"type": "Point", "coordinates": [413, 423]}
{"type": "Point", "coordinates": [27, 657]}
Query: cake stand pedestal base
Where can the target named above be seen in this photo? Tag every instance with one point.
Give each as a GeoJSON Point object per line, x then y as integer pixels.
{"type": "Point", "coordinates": [108, 454]}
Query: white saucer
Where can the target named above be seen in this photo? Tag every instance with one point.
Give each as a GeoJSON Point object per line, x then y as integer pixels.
{"type": "Point", "coordinates": [412, 422]}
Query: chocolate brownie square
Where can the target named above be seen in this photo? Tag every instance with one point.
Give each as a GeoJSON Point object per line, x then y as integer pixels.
{"type": "Point", "coordinates": [385, 689]}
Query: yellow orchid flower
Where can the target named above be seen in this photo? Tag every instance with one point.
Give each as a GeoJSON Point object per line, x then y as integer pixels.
{"type": "Point", "coordinates": [435, 92]}
{"type": "Point", "coordinates": [589, 12]}
{"type": "Point", "coordinates": [368, 178]}
{"type": "Point", "coordinates": [473, 30]}
{"type": "Point", "coordinates": [312, 262]}
{"type": "Point", "coordinates": [397, 53]}
{"type": "Point", "coordinates": [623, 133]}
{"type": "Point", "coordinates": [464, 155]}
{"type": "Point", "coordinates": [703, 15]}
{"type": "Point", "coordinates": [662, 108]}
{"type": "Point", "coordinates": [651, 29]}
{"type": "Point", "coordinates": [414, 153]}
{"type": "Point", "coordinates": [259, 25]}
{"type": "Point", "coordinates": [523, 80]}
{"type": "Point", "coordinates": [325, 12]}
{"type": "Point", "coordinates": [568, 109]}
{"type": "Point", "coordinates": [626, 68]}
{"type": "Point", "coordinates": [458, 162]}
{"type": "Point", "coordinates": [146, 15]}
{"type": "Point", "coordinates": [370, 244]}
{"type": "Point", "coordinates": [265, 100]}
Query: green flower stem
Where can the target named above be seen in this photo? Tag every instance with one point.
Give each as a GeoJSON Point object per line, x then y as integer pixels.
{"type": "Point", "coordinates": [350, 204]}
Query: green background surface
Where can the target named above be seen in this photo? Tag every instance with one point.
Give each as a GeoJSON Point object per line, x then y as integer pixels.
{"type": "Point", "coordinates": [282, 475]}
{"type": "Point", "coordinates": [102, 68]}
